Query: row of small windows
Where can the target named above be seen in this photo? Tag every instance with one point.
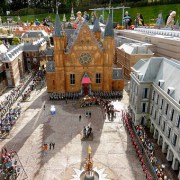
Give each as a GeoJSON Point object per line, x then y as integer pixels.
{"type": "Point", "coordinates": [73, 81]}
{"type": "Point", "coordinates": [166, 108]}
{"type": "Point", "coordinates": [168, 133]}
{"type": "Point", "coordinates": [171, 116]}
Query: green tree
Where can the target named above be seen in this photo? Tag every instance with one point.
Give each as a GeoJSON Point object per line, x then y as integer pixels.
{"type": "Point", "coordinates": [16, 41]}
{"type": "Point", "coordinates": [1, 42]}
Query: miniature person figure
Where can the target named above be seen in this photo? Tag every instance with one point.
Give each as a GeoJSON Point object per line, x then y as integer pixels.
{"type": "Point", "coordinates": [170, 20]}
{"type": "Point", "coordinates": [53, 145]}
{"type": "Point", "coordinates": [93, 17]}
{"type": "Point", "coordinates": [79, 18]}
{"type": "Point", "coordinates": [79, 117]}
{"type": "Point", "coordinates": [127, 20]}
{"type": "Point", "coordinates": [84, 132]}
{"type": "Point", "coordinates": [86, 16]}
{"type": "Point", "coordinates": [167, 16]}
{"type": "Point", "coordinates": [50, 146]}
{"type": "Point", "coordinates": [138, 20]}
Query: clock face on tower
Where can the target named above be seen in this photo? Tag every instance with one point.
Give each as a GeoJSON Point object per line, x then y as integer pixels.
{"type": "Point", "coordinates": [85, 58]}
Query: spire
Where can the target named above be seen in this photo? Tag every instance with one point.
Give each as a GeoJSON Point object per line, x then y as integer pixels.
{"type": "Point", "coordinates": [58, 27]}
{"type": "Point", "coordinates": [96, 27]}
{"type": "Point", "coordinates": [109, 31]}
{"type": "Point", "coordinates": [72, 18]}
{"type": "Point", "coordinates": [64, 18]}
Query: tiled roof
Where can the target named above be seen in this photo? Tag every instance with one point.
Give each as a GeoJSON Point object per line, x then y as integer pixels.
{"type": "Point", "coordinates": [12, 53]}
{"type": "Point", "coordinates": [35, 34]}
{"type": "Point", "coordinates": [34, 46]}
{"type": "Point", "coordinates": [135, 48]}
{"type": "Point", "coordinates": [73, 37]}
{"type": "Point", "coordinates": [117, 73]}
{"type": "Point", "coordinates": [109, 31]}
{"type": "Point", "coordinates": [50, 67]}
{"type": "Point", "coordinates": [160, 68]}
{"type": "Point", "coordinates": [49, 52]}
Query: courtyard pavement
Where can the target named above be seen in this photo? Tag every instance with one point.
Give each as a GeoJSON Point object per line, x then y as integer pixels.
{"type": "Point", "coordinates": [111, 147]}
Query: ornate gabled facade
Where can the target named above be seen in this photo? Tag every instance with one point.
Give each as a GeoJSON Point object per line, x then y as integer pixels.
{"type": "Point", "coordinates": [82, 63]}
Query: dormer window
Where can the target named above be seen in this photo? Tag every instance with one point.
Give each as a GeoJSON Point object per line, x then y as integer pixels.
{"type": "Point", "coordinates": [140, 76]}
{"type": "Point", "coordinates": [160, 83]}
{"type": "Point", "coordinates": [170, 90]}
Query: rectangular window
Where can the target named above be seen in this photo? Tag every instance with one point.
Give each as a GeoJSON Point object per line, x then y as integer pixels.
{"type": "Point", "coordinates": [162, 101]}
{"type": "Point", "coordinates": [145, 92]}
{"type": "Point", "coordinates": [174, 139]}
{"type": "Point", "coordinates": [7, 66]}
{"type": "Point", "coordinates": [164, 125]}
{"type": "Point", "coordinates": [169, 132]}
{"type": "Point", "coordinates": [172, 114]}
{"type": "Point", "coordinates": [153, 95]}
{"type": "Point", "coordinates": [144, 107]}
{"type": "Point", "coordinates": [155, 115]}
{"type": "Point", "coordinates": [157, 100]}
{"type": "Point", "coordinates": [72, 78]}
{"type": "Point", "coordinates": [178, 121]}
{"type": "Point", "coordinates": [159, 120]}
{"type": "Point", "coordinates": [151, 110]}
{"type": "Point", "coordinates": [98, 78]}
{"type": "Point", "coordinates": [167, 106]}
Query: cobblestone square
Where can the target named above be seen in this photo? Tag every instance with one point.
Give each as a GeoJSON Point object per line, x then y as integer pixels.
{"type": "Point", "coordinates": [111, 146]}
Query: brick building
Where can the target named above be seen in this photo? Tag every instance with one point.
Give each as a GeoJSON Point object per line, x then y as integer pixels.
{"type": "Point", "coordinates": [82, 63]}
{"type": "Point", "coordinates": [129, 54]}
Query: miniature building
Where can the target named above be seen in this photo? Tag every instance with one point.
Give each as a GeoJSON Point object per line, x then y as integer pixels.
{"type": "Point", "coordinates": [13, 64]}
{"type": "Point", "coordinates": [31, 36]}
{"type": "Point", "coordinates": [32, 53]}
{"type": "Point", "coordinates": [155, 102]}
{"type": "Point", "coordinates": [129, 53]}
{"type": "Point", "coordinates": [166, 42]}
{"type": "Point", "coordinates": [81, 62]}
{"type": "Point", "coordinates": [3, 80]}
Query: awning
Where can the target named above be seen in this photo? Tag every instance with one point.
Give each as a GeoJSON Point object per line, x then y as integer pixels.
{"type": "Point", "coordinates": [86, 80]}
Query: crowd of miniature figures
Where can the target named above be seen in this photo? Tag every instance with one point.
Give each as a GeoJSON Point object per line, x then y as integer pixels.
{"type": "Point", "coordinates": [9, 119]}
{"type": "Point", "coordinates": [9, 168]}
{"type": "Point", "coordinates": [9, 116]}
{"type": "Point", "coordinates": [35, 81]}
{"type": "Point", "coordinates": [76, 95]}
{"type": "Point", "coordinates": [64, 96]}
{"type": "Point", "coordinates": [87, 131]}
{"type": "Point", "coordinates": [149, 148]}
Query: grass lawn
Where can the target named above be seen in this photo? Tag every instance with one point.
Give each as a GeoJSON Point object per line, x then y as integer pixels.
{"type": "Point", "coordinates": [149, 13]}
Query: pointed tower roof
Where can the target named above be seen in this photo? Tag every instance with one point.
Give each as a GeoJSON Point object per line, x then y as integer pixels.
{"type": "Point", "coordinates": [109, 31]}
{"type": "Point", "coordinates": [58, 27]}
{"type": "Point", "coordinates": [72, 18]}
{"type": "Point", "coordinates": [96, 27]}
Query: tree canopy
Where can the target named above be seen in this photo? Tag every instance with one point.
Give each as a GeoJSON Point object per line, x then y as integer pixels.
{"type": "Point", "coordinates": [16, 41]}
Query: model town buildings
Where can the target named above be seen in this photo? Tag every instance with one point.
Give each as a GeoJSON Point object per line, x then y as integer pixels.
{"type": "Point", "coordinates": [155, 102]}
{"type": "Point", "coordinates": [82, 63]}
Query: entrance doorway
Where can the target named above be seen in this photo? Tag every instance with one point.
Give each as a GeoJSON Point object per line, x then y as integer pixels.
{"type": "Point", "coordinates": [85, 85]}
{"type": "Point", "coordinates": [85, 89]}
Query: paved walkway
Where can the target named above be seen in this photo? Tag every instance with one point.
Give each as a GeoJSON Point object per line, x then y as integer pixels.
{"type": "Point", "coordinates": [111, 147]}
